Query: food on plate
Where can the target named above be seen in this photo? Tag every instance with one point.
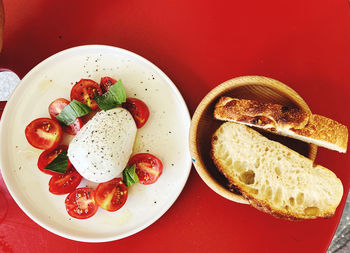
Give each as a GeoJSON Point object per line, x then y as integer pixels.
{"type": "Point", "coordinates": [44, 133]}
{"type": "Point", "coordinates": [138, 109]}
{"type": "Point", "coordinates": [101, 149]}
{"type": "Point", "coordinates": [113, 97]}
{"type": "Point", "coordinates": [148, 167]}
{"type": "Point", "coordinates": [84, 91]}
{"type": "Point", "coordinates": [273, 178]}
{"type": "Point", "coordinates": [284, 120]}
{"type": "Point", "coordinates": [111, 195]}
{"type": "Point", "coordinates": [47, 156]}
{"type": "Point", "coordinates": [56, 108]}
{"type": "Point", "coordinates": [99, 152]}
{"type": "Point", "coordinates": [106, 82]}
{"type": "Point", "coordinates": [81, 203]}
{"type": "Point", "coordinates": [64, 183]}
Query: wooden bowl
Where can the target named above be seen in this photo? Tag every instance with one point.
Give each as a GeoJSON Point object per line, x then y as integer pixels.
{"type": "Point", "coordinates": [204, 124]}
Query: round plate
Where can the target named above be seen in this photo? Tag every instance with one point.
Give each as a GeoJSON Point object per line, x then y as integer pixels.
{"type": "Point", "coordinates": [164, 135]}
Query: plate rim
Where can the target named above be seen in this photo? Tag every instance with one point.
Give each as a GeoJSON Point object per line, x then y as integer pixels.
{"type": "Point", "coordinates": [163, 210]}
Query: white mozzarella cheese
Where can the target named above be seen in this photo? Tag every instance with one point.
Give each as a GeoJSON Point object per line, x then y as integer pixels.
{"type": "Point", "coordinates": [101, 149]}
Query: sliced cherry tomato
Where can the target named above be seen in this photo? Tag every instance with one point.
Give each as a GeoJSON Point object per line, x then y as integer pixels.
{"type": "Point", "coordinates": [48, 156]}
{"type": "Point", "coordinates": [81, 203]}
{"type": "Point", "coordinates": [65, 183]}
{"type": "Point", "coordinates": [106, 82]}
{"type": "Point", "coordinates": [74, 128]}
{"type": "Point", "coordinates": [56, 107]}
{"type": "Point", "coordinates": [44, 133]}
{"type": "Point", "coordinates": [138, 109]}
{"type": "Point", "coordinates": [84, 91]}
{"type": "Point", "coordinates": [148, 167]}
{"type": "Point", "coordinates": [111, 195]}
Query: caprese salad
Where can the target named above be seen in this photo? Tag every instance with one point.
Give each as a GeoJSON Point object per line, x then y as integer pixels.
{"type": "Point", "coordinates": [104, 124]}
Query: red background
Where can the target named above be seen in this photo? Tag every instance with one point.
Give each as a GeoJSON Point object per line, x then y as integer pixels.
{"type": "Point", "coordinates": [198, 44]}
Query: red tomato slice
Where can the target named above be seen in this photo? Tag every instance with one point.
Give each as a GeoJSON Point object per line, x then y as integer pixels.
{"type": "Point", "coordinates": [75, 127]}
{"type": "Point", "coordinates": [81, 204]}
{"type": "Point", "coordinates": [48, 156]}
{"type": "Point", "coordinates": [85, 91]}
{"type": "Point", "coordinates": [111, 195]}
{"type": "Point", "coordinates": [148, 167]}
{"type": "Point", "coordinates": [65, 183]}
{"type": "Point", "coordinates": [138, 109]}
{"type": "Point", "coordinates": [44, 133]}
{"type": "Point", "coordinates": [106, 82]}
{"type": "Point", "coordinates": [56, 107]}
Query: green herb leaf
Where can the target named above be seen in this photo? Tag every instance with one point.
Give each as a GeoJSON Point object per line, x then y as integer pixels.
{"type": "Point", "coordinates": [72, 111]}
{"type": "Point", "coordinates": [129, 175]}
{"type": "Point", "coordinates": [59, 164]}
{"type": "Point", "coordinates": [114, 97]}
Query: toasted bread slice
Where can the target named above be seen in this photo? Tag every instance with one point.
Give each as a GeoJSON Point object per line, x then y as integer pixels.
{"type": "Point", "coordinates": [290, 122]}
{"type": "Point", "coordinates": [272, 177]}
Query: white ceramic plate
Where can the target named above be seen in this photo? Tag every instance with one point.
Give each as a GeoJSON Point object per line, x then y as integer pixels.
{"type": "Point", "coordinates": [164, 135]}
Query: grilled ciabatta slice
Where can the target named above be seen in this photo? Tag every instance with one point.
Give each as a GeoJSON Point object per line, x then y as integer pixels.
{"type": "Point", "coordinates": [283, 120]}
{"type": "Point", "coordinates": [272, 177]}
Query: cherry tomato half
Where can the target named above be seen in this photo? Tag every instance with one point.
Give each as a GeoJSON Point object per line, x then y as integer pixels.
{"type": "Point", "coordinates": [84, 91]}
{"type": "Point", "coordinates": [65, 183]}
{"type": "Point", "coordinates": [56, 107]}
{"type": "Point", "coordinates": [106, 82]}
{"type": "Point", "coordinates": [138, 109]}
{"type": "Point", "coordinates": [81, 204]}
{"type": "Point", "coordinates": [111, 195]}
{"type": "Point", "coordinates": [74, 128]}
{"type": "Point", "coordinates": [148, 167]}
{"type": "Point", "coordinates": [48, 156]}
{"type": "Point", "coordinates": [44, 133]}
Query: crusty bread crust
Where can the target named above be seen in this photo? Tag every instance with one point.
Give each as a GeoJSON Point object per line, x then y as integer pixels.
{"type": "Point", "coordinates": [262, 114]}
{"type": "Point", "coordinates": [326, 130]}
{"type": "Point", "coordinates": [291, 122]}
{"type": "Point", "coordinates": [266, 205]}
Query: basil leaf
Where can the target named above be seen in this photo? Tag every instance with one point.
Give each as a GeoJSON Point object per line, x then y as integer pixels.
{"type": "Point", "coordinates": [72, 111]}
{"type": "Point", "coordinates": [59, 164]}
{"type": "Point", "coordinates": [114, 97]}
{"type": "Point", "coordinates": [127, 179]}
{"type": "Point", "coordinates": [129, 175]}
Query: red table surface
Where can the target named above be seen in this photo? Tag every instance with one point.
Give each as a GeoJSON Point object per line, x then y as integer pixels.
{"type": "Point", "coordinates": [198, 44]}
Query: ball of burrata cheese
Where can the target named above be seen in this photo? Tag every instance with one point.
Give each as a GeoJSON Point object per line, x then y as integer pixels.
{"type": "Point", "coordinates": [102, 148]}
